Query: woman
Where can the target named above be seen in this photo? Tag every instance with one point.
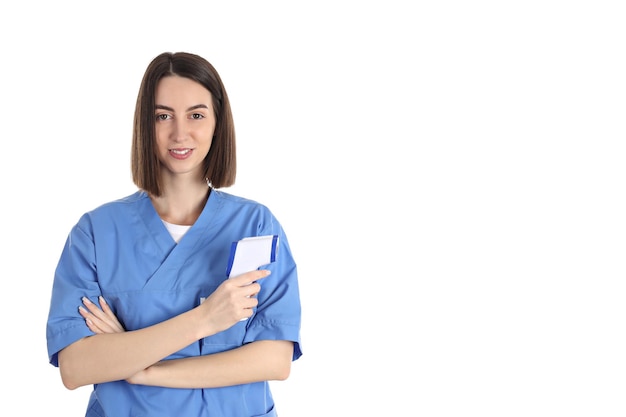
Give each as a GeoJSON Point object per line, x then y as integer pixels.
{"type": "Point", "coordinates": [141, 307]}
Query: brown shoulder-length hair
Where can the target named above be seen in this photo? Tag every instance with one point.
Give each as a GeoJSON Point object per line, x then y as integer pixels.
{"type": "Point", "coordinates": [220, 164]}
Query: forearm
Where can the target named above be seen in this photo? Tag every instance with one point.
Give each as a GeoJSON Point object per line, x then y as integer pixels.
{"type": "Point", "coordinates": [111, 357]}
{"type": "Point", "coordinates": [257, 361]}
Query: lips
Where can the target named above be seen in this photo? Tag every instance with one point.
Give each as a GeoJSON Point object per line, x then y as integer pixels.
{"type": "Point", "coordinates": [181, 153]}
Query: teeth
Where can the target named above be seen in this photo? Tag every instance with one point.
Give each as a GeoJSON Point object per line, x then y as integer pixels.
{"type": "Point", "coordinates": [180, 152]}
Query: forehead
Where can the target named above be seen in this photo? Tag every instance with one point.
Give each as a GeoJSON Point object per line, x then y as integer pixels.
{"type": "Point", "coordinates": [180, 90]}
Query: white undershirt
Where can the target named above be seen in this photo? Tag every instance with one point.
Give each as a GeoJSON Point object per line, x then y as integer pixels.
{"type": "Point", "coordinates": [176, 230]}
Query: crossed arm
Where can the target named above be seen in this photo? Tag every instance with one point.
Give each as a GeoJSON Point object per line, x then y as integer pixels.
{"type": "Point", "coordinates": [137, 356]}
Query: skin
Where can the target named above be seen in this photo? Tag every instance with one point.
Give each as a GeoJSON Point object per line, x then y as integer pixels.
{"type": "Point", "coordinates": [184, 130]}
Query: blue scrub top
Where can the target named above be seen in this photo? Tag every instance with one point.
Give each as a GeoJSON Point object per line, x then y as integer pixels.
{"type": "Point", "coordinates": [123, 251]}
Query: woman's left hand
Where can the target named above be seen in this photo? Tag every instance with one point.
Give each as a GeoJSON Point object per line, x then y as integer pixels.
{"type": "Point", "coordinates": [100, 319]}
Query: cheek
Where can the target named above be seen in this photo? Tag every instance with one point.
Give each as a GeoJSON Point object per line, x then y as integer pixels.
{"type": "Point", "coordinates": [207, 144]}
{"type": "Point", "coordinates": [162, 134]}
{"type": "Point", "coordinates": [161, 145]}
{"type": "Point", "coordinates": [204, 136]}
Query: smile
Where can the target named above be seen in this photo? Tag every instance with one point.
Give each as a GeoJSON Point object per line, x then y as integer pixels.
{"type": "Point", "coordinates": [180, 151]}
{"type": "Point", "coordinates": [181, 154]}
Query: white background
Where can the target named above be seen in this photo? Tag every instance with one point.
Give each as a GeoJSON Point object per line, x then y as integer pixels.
{"type": "Point", "coordinates": [450, 175]}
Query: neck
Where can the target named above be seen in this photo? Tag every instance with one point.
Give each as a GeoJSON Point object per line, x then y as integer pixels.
{"type": "Point", "coordinates": [181, 206]}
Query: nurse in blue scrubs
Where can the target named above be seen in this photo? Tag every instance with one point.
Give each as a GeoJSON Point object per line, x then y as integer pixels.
{"type": "Point", "coordinates": [141, 308]}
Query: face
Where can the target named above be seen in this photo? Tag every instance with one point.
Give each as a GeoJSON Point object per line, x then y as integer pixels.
{"type": "Point", "coordinates": [184, 126]}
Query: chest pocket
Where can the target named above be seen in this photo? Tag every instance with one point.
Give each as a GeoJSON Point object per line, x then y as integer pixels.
{"type": "Point", "coordinates": [225, 340]}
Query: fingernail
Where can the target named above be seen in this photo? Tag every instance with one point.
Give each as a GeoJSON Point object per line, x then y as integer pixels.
{"type": "Point", "coordinates": [86, 300]}
{"type": "Point", "coordinates": [102, 300]}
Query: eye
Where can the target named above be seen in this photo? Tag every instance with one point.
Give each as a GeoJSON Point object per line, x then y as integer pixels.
{"type": "Point", "coordinates": [163, 116]}
{"type": "Point", "coordinates": [197, 116]}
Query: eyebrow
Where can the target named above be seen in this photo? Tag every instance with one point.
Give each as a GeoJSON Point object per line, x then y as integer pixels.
{"type": "Point", "coordinates": [197, 106]}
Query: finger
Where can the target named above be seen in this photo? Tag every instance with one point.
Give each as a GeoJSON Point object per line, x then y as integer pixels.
{"type": "Point", "coordinates": [246, 313]}
{"type": "Point", "coordinates": [109, 313]}
{"type": "Point", "coordinates": [251, 302]}
{"type": "Point", "coordinates": [95, 310]}
{"type": "Point", "coordinates": [250, 277]}
{"type": "Point", "coordinates": [90, 320]}
{"type": "Point", "coordinates": [248, 308]}
{"type": "Point", "coordinates": [253, 289]}
{"type": "Point", "coordinates": [84, 313]}
{"type": "Point", "coordinates": [100, 319]}
{"type": "Point", "coordinates": [92, 327]}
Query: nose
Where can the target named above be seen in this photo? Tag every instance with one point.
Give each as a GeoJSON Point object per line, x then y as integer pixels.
{"type": "Point", "coordinates": [181, 130]}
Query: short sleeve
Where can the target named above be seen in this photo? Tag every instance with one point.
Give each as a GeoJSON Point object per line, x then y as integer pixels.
{"type": "Point", "coordinates": [75, 277]}
{"type": "Point", "coordinates": [279, 313]}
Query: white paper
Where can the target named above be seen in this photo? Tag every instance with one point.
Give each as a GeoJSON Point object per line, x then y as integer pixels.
{"type": "Point", "coordinates": [250, 253]}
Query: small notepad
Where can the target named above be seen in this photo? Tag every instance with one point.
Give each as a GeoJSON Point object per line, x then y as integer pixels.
{"type": "Point", "coordinates": [250, 253]}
